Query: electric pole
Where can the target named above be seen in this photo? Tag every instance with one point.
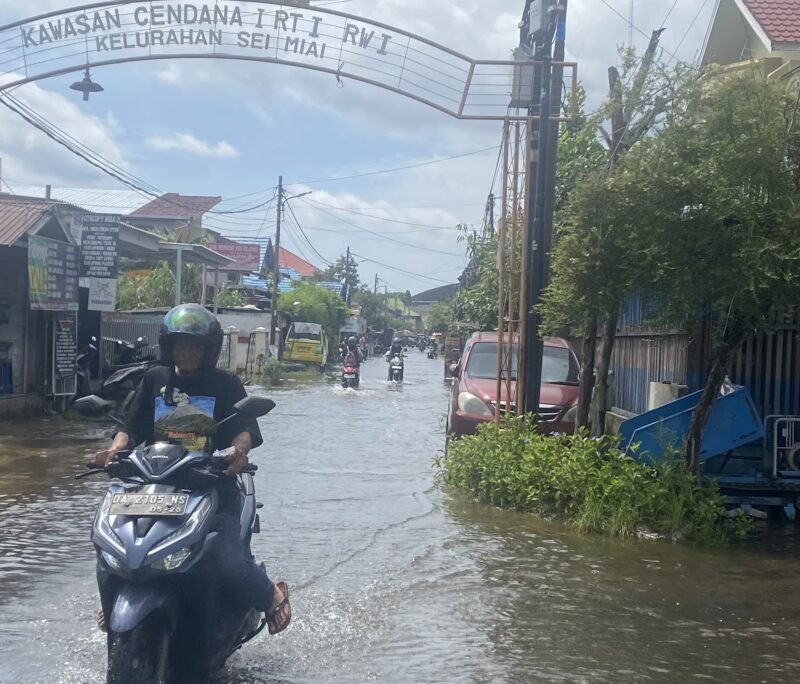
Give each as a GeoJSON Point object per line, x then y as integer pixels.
{"type": "Point", "coordinates": [541, 179]}
{"type": "Point", "coordinates": [276, 269]}
{"type": "Point", "coordinates": [347, 276]}
{"type": "Point", "coordinates": [375, 291]}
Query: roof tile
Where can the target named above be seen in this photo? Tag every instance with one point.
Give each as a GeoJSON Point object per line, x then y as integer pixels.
{"type": "Point", "coordinates": [173, 205]}
{"type": "Point", "coordinates": [290, 260]}
{"type": "Point", "coordinates": [780, 19]}
{"type": "Point", "coordinates": [18, 215]}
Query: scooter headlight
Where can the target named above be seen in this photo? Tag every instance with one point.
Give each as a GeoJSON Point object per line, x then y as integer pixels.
{"type": "Point", "coordinates": [173, 561]}
{"type": "Point", "coordinates": [111, 560]}
{"type": "Point", "coordinates": [195, 520]}
{"type": "Point", "coordinates": [103, 528]}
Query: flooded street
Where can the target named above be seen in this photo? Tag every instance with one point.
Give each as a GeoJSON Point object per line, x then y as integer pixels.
{"type": "Point", "coordinates": [391, 579]}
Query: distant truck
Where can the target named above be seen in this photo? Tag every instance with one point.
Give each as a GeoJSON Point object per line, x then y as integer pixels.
{"type": "Point", "coordinates": [355, 326]}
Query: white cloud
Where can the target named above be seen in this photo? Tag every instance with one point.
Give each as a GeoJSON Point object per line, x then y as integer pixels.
{"type": "Point", "coordinates": [29, 156]}
{"type": "Point", "coordinates": [189, 144]}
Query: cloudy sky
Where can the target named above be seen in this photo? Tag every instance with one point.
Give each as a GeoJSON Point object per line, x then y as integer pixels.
{"type": "Point", "coordinates": [231, 128]}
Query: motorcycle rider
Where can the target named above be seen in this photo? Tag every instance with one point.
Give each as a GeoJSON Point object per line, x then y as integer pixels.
{"type": "Point", "coordinates": [190, 342]}
{"type": "Point", "coordinates": [351, 348]}
{"type": "Point", "coordinates": [395, 350]}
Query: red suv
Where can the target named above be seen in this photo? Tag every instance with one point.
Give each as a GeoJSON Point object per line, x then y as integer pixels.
{"type": "Point", "coordinates": [474, 391]}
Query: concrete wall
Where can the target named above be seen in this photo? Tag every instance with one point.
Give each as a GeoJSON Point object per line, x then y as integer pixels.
{"type": "Point", "coordinates": [13, 302]}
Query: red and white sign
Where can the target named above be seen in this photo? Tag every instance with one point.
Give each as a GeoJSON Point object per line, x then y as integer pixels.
{"type": "Point", "coordinates": [246, 256]}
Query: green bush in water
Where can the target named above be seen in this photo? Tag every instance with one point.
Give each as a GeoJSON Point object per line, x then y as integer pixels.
{"type": "Point", "coordinates": [274, 373]}
{"type": "Point", "coordinates": [587, 483]}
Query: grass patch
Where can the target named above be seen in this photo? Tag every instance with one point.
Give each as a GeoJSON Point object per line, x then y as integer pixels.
{"type": "Point", "coordinates": [587, 483]}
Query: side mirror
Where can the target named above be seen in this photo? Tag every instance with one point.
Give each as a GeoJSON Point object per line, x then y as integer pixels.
{"type": "Point", "coordinates": [93, 406]}
{"type": "Point", "coordinates": [254, 407]}
{"type": "Point", "coordinates": [455, 370]}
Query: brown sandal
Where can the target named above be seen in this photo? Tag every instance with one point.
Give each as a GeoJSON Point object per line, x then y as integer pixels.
{"type": "Point", "coordinates": [274, 621]}
{"type": "Point", "coordinates": [101, 621]}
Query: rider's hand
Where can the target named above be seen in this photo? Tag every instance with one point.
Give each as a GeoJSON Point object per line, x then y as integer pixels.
{"type": "Point", "coordinates": [103, 458]}
{"type": "Point", "coordinates": [237, 460]}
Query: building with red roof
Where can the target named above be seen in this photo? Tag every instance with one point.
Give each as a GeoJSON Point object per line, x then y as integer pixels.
{"type": "Point", "coordinates": [180, 216]}
{"type": "Point", "coordinates": [287, 259]}
{"type": "Point", "coordinates": [760, 33]}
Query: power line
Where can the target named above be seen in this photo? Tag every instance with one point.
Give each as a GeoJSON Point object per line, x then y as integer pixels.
{"type": "Point", "coordinates": [419, 276]}
{"type": "Point", "coordinates": [300, 228]}
{"type": "Point", "coordinates": [96, 159]}
{"type": "Point", "coordinates": [393, 170]}
{"type": "Point", "coordinates": [686, 33]}
{"type": "Point", "coordinates": [381, 218]}
{"type": "Point", "coordinates": [383, 237]}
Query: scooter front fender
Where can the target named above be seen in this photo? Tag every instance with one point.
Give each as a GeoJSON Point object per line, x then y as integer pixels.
{"type": "Point", "coordinates": [135, 602]}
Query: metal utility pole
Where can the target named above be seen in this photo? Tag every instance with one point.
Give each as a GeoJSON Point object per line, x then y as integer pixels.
{"type": "Point", "coordinates": [491, 211]}
{"type": "Point", "coordinates": [539, 230]}
{"type": "Point", "coordinates": [347, 276]}
{"type": "Point", "coordinates": [276, 264]}
{"type": "Point", "coordinates": [375, 291]}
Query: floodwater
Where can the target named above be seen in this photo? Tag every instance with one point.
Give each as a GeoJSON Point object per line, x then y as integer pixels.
{"type": "Point", "coordinates": [393, 580]}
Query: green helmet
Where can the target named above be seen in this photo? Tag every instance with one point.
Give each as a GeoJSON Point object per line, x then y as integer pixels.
{"type": "Point", "coordinates": [197, 322]}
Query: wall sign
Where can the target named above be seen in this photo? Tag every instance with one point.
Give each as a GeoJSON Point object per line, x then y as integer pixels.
{"type": "Point", "coordinates": [52, 274]}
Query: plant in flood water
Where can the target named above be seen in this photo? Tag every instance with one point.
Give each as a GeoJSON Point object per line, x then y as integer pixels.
{"type": "Point", "coordinates": [273, 374]}
{"type": "Point", "coordinates": [585, 482]}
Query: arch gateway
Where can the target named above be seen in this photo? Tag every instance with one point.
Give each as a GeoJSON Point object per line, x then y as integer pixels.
{"type": "Point", "coordinates": [289, 33]}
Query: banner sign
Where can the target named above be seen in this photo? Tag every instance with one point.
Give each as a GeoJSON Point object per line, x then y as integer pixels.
{"type": "Point", "coordinates": [247, 257]}
{"type": "Point", "coordinates": [65, 344]}
{"type": "Point", "coordinates": [102, 294]}
{"type": "Point", "coordinates": [52, 274]}
{"type": "Point", "coordinates": [293, 33]}
{"type": "Point", "coordinates": [99, 245]}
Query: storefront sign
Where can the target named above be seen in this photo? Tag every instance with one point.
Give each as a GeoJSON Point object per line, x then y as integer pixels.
{"type": "Point", "coordinates": [52, 274]}
{"type": "Point", "coordinates": [246, 256]}
{"type": "Point", "coordinates": [65, 344]}
{"type": "Point", "coordinates": [99, 245]}
{"type": "Point", "coordinates": [102, 294]}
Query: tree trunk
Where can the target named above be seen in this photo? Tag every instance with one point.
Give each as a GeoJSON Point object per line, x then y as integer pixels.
{"type": "Point", "coordinates": [600, 395]}
{"type": "Point", "coordinates": [720, 361]}
{"type": "Point", "coordinates": [587, 373]}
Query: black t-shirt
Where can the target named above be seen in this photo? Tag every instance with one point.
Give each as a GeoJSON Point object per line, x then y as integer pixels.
{"type": "Point", "coordinates": [213, 392]}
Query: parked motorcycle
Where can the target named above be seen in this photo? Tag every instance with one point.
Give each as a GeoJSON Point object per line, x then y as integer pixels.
{"type": "Point", "coordinates": [122, 382]}
{"type": "Point", "coordinates": [168, 620]}
{"type": "Point", "coordinates": [127, 353]}
{"type": "Point", "coordinates": [432, 354]}
{"type": "Point", "coordinates": [396, 368]}
{"type": "Point", "coordinates": [83, 372]}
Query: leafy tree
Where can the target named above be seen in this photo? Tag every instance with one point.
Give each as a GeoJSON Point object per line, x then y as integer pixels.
{"type": "Point", "coordinates": [311, 303]}
{"type": "Point", "coordinates": [440, 317]}
{"type": "Point", "coordinates": [230, 296]}
{"type": "Point", "coordinates": [475, 305]}
{"type": "Point", "coordinates": [156, 288]}
{"type": "Point", "coordinates": [720, 185]}
{"type": "Point", "coordinates": [344, 271]}
{"type": "Point", "coordinates": [597, 261]}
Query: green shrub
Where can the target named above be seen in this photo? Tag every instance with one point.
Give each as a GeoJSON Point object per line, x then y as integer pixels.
{"type": "Point", "coordinates": [273, 374]}
{"type": "Point", "coordinates": [585, 482]}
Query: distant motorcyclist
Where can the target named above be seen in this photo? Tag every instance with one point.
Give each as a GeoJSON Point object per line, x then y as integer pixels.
{"type": "Point", "coordinates": [395, 350]}
{"type": "Point", "coordinates": [351, 354]}
{"type": "Point", "coordinates": [190, 343]}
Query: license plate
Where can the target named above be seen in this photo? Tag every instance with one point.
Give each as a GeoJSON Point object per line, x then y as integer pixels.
{"type": "Point", "coordinates": [397, 368]}
{"type": "Point", "coordinates": [349, 376]}
{"type": "Point", "coordinates": [148, 504]}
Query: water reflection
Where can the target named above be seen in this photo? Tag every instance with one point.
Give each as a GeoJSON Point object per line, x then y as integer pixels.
{"type": "Point", "coordinates": [594, 609]}
{"type": "Point", "coordinates": [393, 580]}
